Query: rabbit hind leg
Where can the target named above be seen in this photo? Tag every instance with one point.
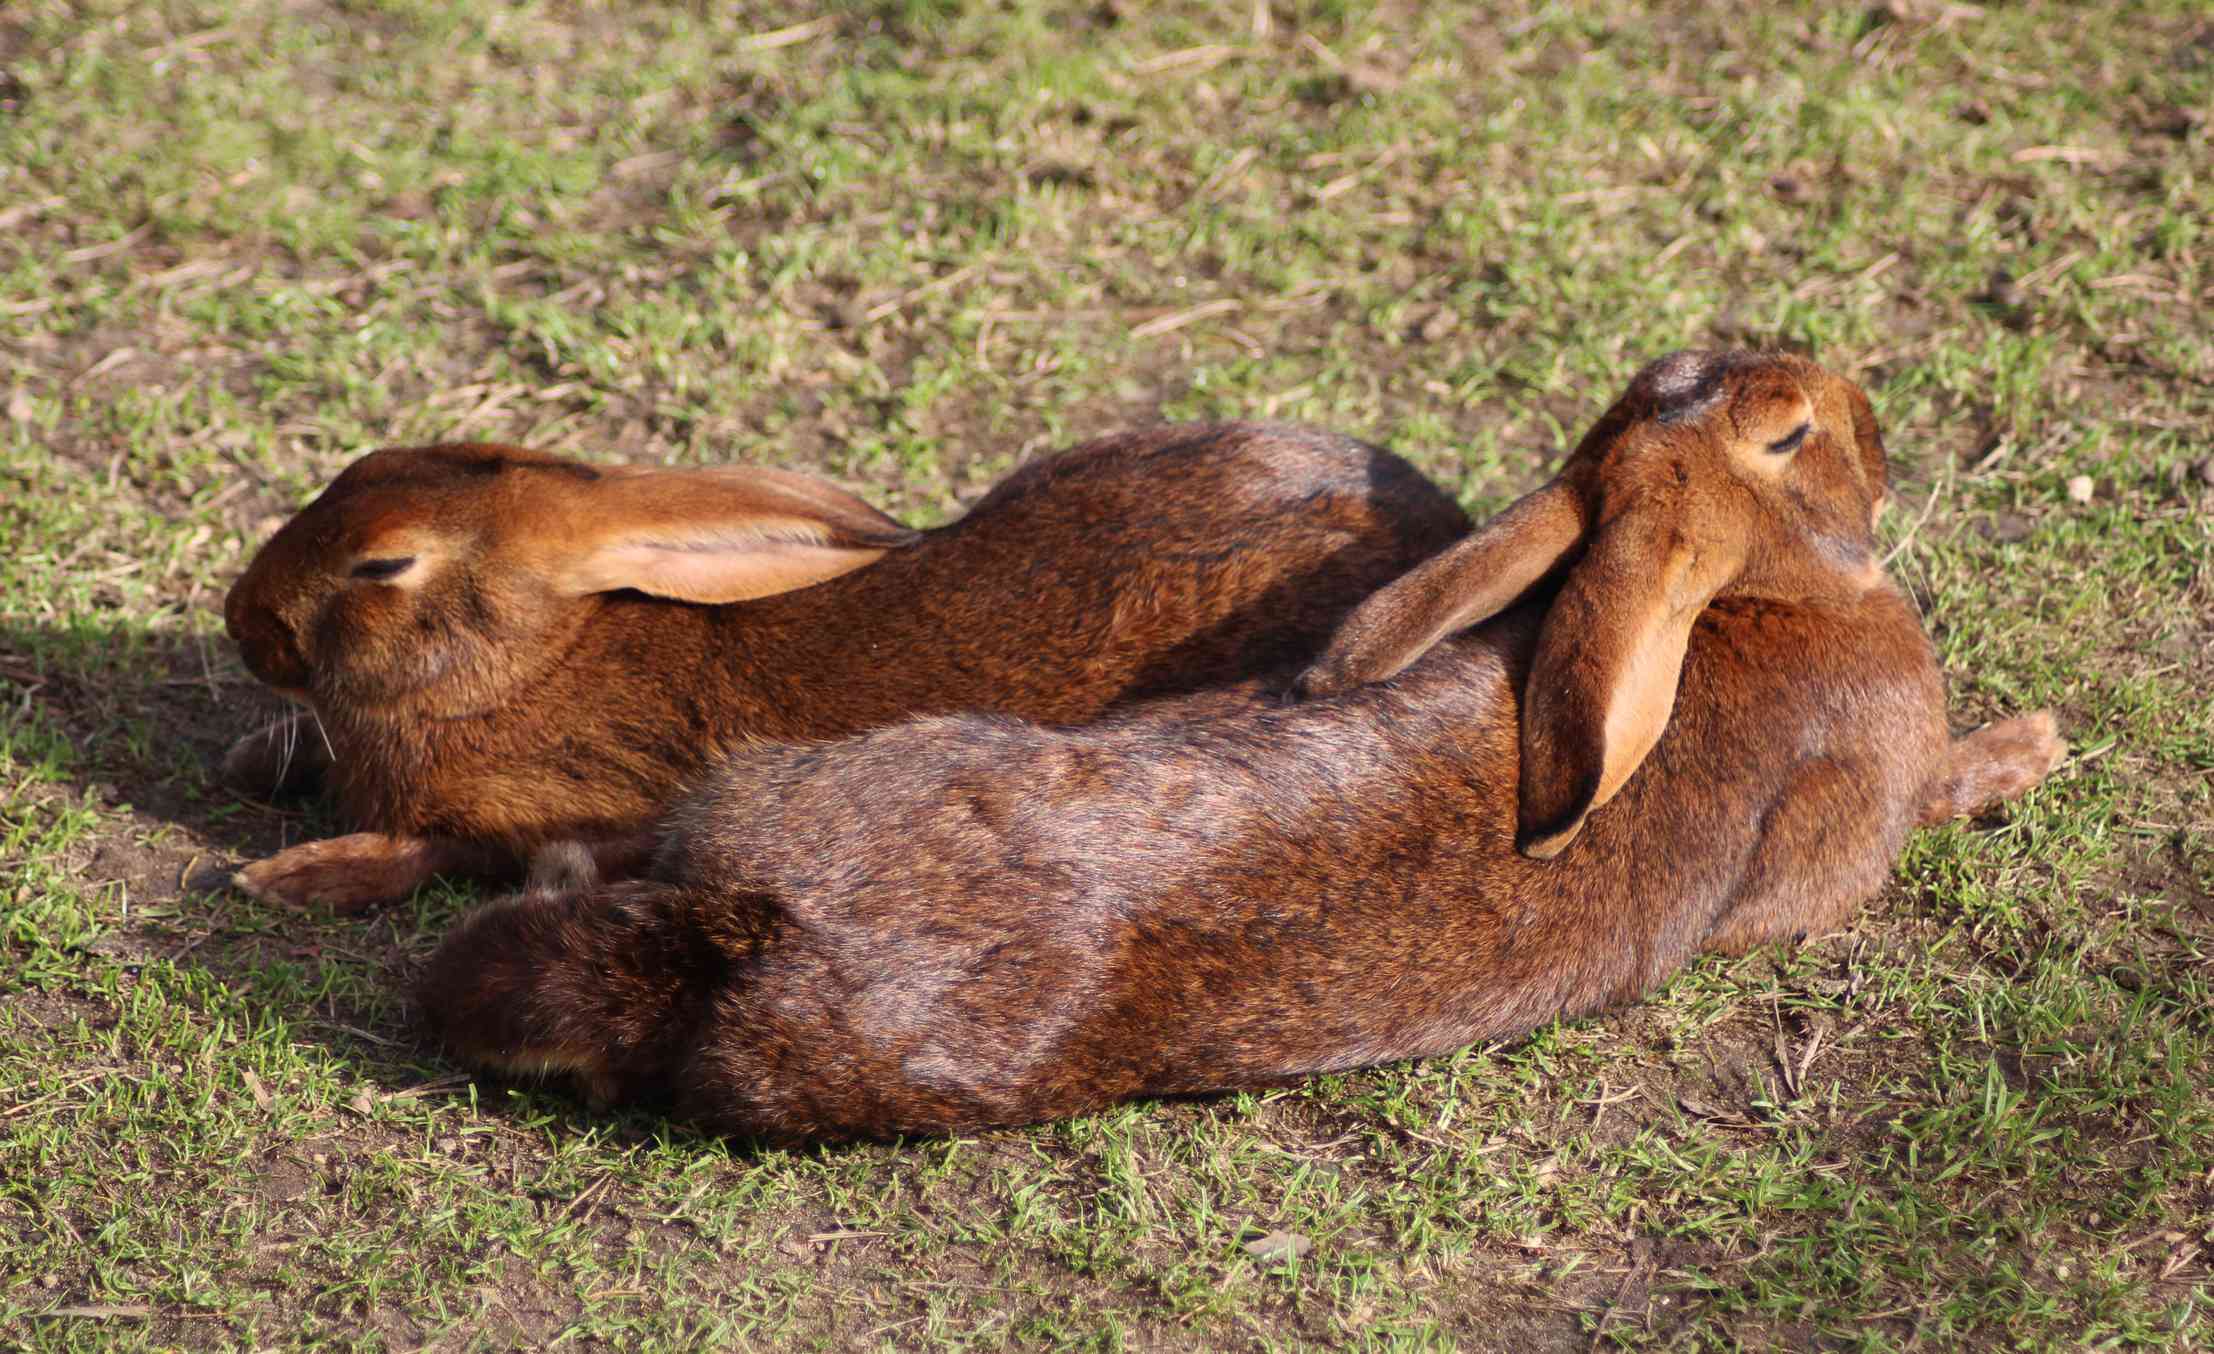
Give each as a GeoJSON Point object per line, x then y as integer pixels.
{"type": "Point", "coordinates": [1996, 763]}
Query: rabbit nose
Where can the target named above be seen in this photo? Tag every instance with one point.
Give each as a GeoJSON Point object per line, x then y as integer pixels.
{"type": "Point", "coordinates": [266, 645]}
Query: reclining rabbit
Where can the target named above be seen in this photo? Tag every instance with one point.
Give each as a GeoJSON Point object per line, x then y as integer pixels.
{"type": "Point", "coordinates": [503, 648]}
{"type": "Point", "coordinates": [1695, 714]}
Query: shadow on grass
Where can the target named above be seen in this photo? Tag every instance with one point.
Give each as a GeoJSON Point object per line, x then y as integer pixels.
{"type": "Point", "coordinates": [136, 716]}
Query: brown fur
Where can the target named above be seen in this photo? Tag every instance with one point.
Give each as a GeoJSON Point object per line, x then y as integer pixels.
{"type": "Point", "coordinates": [495, 694]}
{"type": "Point", "coordinates": [957, 922]}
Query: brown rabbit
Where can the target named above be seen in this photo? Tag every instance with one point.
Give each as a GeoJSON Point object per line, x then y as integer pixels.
{"type": "Point", "coordinates": [959, 922]}
{"type": "Point", "coordinates": [503, 648]}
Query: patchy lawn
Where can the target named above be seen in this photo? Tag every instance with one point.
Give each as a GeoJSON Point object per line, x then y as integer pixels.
{"type": "Point", "coordinates": [242, 241]}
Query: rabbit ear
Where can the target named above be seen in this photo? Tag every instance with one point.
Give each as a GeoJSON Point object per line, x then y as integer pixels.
{"type": "Point", "coordinates": [1868, 445]}
{"type": "Point", "coordinates": [1468, 582]}
{"type": "Point", "coordinates": [1603, 678]}
{"type": "Point", "coordinates": [722, 535]}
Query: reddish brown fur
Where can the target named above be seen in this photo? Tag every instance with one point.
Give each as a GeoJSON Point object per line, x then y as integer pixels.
{"type": "Point", "coordinates": [957, 922]}
{"type": "Point", "coordinates": [484, 711]}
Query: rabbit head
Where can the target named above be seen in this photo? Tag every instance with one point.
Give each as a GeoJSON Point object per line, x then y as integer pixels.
{"type": "Point", "coordinates": [1715, 476]}
{"type": "Point", "coordinates": [434, 579]}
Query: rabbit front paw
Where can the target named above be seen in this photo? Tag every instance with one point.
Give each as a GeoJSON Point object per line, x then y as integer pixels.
{"type": "Point", "coordinates": [1329, 676]}
{"type": "Point", "coordinates": [340, 874]}
{"type": "Point", "coordinates": [284, 760]}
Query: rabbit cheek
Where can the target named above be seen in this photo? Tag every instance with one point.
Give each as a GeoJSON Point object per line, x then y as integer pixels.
{"type": "Point", "coordinates": [361, 669]}
{"type": "Point", "coordinates": [377, 653]}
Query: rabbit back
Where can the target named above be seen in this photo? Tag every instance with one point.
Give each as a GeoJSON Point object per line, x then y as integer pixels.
{"type": "Point", "coordinates": [1152, 562]}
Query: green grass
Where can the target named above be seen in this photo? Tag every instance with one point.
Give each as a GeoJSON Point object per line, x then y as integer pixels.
{"type": "Point", "coordinates": [910, 244]}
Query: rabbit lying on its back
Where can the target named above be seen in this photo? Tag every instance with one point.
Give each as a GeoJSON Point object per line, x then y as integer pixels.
{"type": "Point", "coordinates": [505, 648]}
{"type": "Point", "coordinates": [1696, 716]}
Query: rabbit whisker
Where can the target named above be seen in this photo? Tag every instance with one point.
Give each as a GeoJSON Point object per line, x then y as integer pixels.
{"type": "Point", "coordinates": [288, 744]}
{"type": "Point", "coordinates": [323, 733]}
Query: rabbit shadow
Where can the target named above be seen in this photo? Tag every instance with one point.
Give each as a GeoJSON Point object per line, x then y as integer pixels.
{"type": "Point", "coordinates": [130, 715]}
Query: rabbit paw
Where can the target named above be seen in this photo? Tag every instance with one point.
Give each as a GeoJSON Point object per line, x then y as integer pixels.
{"type": "Point", "coordinates": [1329, 676]}
{"type": "Point", "coordinates": [1997, 762]}
{"type": "Point", "coordinates": [341, 874]}
{"type": "Point", "coordinates": [284, 760]}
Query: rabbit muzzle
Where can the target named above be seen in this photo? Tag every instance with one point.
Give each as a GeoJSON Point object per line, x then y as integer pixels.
{"type": "Point", "coordinates": [267, 646]}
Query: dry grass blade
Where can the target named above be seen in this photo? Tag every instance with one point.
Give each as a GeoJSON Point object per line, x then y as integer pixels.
{"type": "Point", "coordinates": [100, 251]}
{"type": "Point", "coordinates": [791, 35]}
{"type": "Point", "coordinates": [1169, 323]}
{"type": "Point", "coordinates": [1188, 60]}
